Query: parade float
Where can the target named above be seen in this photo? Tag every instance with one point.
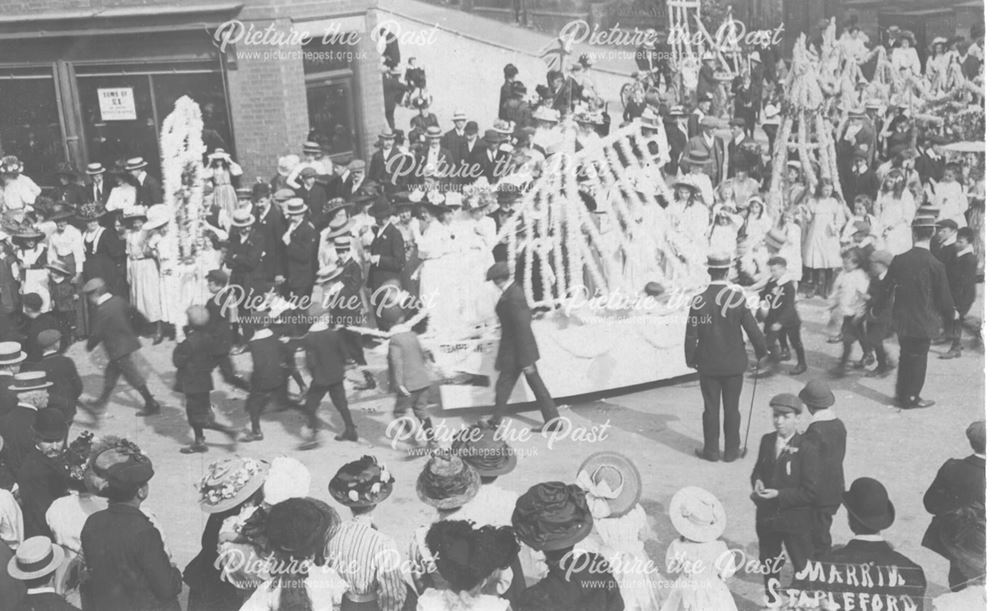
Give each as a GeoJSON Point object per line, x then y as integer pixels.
{"type": "Point", "coordinates": [588, 236]}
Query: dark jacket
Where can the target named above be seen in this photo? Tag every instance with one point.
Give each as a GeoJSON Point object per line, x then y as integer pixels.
{"type": "Point", "coordinates": [268, 357]}
{"type": "Point", "coordinates": [106, 260]}
{"type": "Point", "coordinates": [34, 326]}
{"type": "Point", "coordinates": [879, 314]}
{"type": "Point", "coordinates": [347, 308]}
{"type": "Point", "coordinates": [41, 480]}
{"type": "Point", "coordinates": [127, 566]}
{"type": "Point", "coordinates": [66, 383]}
{"type": "Point", "coordinates": [960, 483]}
{"type": "Point", "coordinates": [389, 246]}
{"type": "Point", "coordinates": [921, 294]}
{"type": "Point", "coordinates": [830, 439]}
{"type": "Point", "coordinates": [19, 438]}
{"type": "Point", "coordinates": [301, 253]}
{"type": "Point", "coordinates": [895, 581]}
{"type": "Point", "coordinates": [781, 298]}
{"type": "Point", "coordinates": [270, 228]}
{"type": "Point", "coordinates": [517, 348]}
{"type": "Point", "coordinates": [407, 363]}
{"type": "Point", "coordinates": [713, 343]}
{"type": "Point", "coordinates": [195, 359]}
{"type": "Point", "coordinates": [382, 166]}
{"type": "Point", "coordinates": [207, 590]}
{"type": "Point", "coordinates": [111, 327]}
{"type": "Point", "coordinates": [7, 399]}
{"type": "Point", "coordinates": [245, 259]}
{"type": "Point", "coordinates": [795, 475]}
{"type": "Point", "coordinates": [326, 354]}
{"type": "Point", "coordinates": [492, 170]}
{"type": "Point", "coordinates": [46, 601]}
{"type": "Point", "coordinates": [218, 325]}
{"type": "Point", "coordinates": [148, 192]}
{"type": "Point", "coordinates": [99, 195]}
{"type": "Point", "coordinates": [316, 199]}
{"type": "Point", "coordinates": [592, 589]}
{"type": "Point", "coordinates": [452, 141]}
{"type": "Point", "coordinates": [962, 271]}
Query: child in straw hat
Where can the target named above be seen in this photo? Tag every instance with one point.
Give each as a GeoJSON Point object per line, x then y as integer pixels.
{"type": "Point", "coordinates": [698, 557]}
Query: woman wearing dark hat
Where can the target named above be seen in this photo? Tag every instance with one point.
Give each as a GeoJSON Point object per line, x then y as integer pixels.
{"type": "Point", "coordinates": [362, 555]}
{"type": "Point", "coordinates": [467, 560]}
{"type": "Point", "coordinates": [105, 252]}
{"type": "Point", "coordinates": [553, 517]}
{"type": "Point", "coordinates": [32, 253]}
{"type": "Point", "coordinates": [297, 531]}
{"type": "Point", "coordinates": [44, 475]}
{"type": "Point", "coordinates": [69, 192]}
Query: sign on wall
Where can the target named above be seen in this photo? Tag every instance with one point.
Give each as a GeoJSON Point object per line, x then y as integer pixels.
{"type": "Point", "coordinates": [116, 103]}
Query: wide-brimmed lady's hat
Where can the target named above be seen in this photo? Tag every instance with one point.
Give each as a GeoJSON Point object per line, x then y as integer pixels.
{"type": "Point", "coordinates": [868, 502]}
{"type": "Point", "coordinates": [229, 482]}
{"type": "Point", "coordinates": [447, 482]}
{"type": "Point", "coordinates": [484, 449]}
{"type": "Point", "coordinates": [698, 157]}
{"type": "Point", "coordinates": [300, 527]}
{"type": "Point", "coordinates": [135, 163]}
{"type": "Point", "coordinates": [243, 217]}
{"type": "Point", "coordinates": [36, 557]}
{"type": "Point", "coordinates": [10, 164]}
{"type": "Point", "coordinates": [361, 483]}
{"type": "Point", "coordinates": [91, 212]}
{"type": "Point", "coordinates": [612, 484]}
{"type": "Point", "coordinates": [287, 478]}
{"type": "Point", "coordinates": [697, 514]}
{"type": "Point", "coordinates": [335, 205]}
{"type": "Point", "coordinates": [219, 155]}
{"type": "Point", "coordinates": [27, 233]}
{"type": "Point", "coordinates": [50, 424]}
{"type": "Point", "coordinates": [158, 216]}
{"type": "Point", "coordinates": [11, 353]}
{"type": "Point", "coordinates": [552, 516]}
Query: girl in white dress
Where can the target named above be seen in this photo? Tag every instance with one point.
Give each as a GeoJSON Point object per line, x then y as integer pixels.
{"type": "Point", "coordinates": [613, 486]}
{"type": "Point", "coordinates": [700, 560]}
{"type": "Point", "coordinates": [949, 194]}
{"type": "Point", "coordinates": [895, 209]}
{"type": "Point", "coordinates": [33, 256]}
{"type": "Point", "coordinates": [757, 222]}
{"type": "Point", "coordinates": [482, 232]}
{"type": "Point", "coordinates": [143, 276]}
{"type": "Point", "coordinates": [825, 216]}
{"type": "Point", "coordinates": [222, 169]}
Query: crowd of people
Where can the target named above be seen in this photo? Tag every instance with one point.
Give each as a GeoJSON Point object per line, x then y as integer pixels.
{"type": "Point", "coordinates": [890, 246]}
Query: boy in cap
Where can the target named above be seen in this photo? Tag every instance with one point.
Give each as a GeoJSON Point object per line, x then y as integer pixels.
{"type": "Point", "coordinates": [782, 314]}
{"type": "Point", "coordinates": [44, 475]}
{"type": "Point", "coordinates": [127, 562]}
{"type": "Point", "coordinates": [878, 313]}
{"type": "Point", "coordinates": [886, 578]}
{"type": "Point", "coordinates": [195, 358]}
{"type": "Point", "coordinates": [269, 378]}
{"type": "Point", "coordinates": [784, 480]}
{"type": "Point", "coordinates": [61, 370]}
{"type": "Point", "coordinates": [829, 435]}
{"type": "Point", "coordinates": [961, 271]}
{"type": "Point", "coordinates": [112, 328]}
{"type": "Point", "coordinates": [65, 301]}
{"type": "Point", "coordinates": [35, 321]}
{"type": "Point", "coordinates": [35, 564]}
{"type": "Point", "coordinates": [409, 377]}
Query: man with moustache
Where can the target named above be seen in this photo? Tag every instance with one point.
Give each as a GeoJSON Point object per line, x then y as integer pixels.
{"type": "Point", "coordinates": [491, 162]}
{"type": "Point", "coordinates": [452, 139]}
{"type": "Point", "coordinates": [301, 242]}
{"type": "Point", "coordinates": [435, 159]}
{"type": "Point", "coordinates": [270, 226]}
{"type": "Point", "coordinates": [388, 251]}
{"type": "Point", "coordinates": [244, 257]}
{"type": "Point", "coordinates": [468, 149]}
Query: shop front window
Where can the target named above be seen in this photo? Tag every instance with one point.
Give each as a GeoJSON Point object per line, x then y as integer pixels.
{"type": "Point", "coordinates": [330, 97]}
{"type": "Point", "coordinates": [123, 113]}
{"type": "Point", "coordinates": [29, 122]}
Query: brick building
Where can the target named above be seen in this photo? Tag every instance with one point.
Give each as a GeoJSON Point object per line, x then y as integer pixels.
{"type": "Point", "coordinates": [93, 80]}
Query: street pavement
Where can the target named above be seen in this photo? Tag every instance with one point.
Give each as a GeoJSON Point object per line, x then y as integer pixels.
{"type": "Point", "coordinates": [659, 428]}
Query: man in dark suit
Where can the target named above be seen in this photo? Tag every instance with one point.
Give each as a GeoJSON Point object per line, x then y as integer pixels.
{"type": "Point", "coordinates": [676, 138]}
{"type": "Point", "coordinates": [69, 193]}
{"type": "Point", "coordinates": [828, 434]}
{"type": "Point", "coordinates": [112, 328]}
{"type": "Point", "coordinates": [922, 301]}
{"type": "Point", "coordinates": [960, 485]}
{"type": "Point", "coordinates": [244, 256]}
{"type": "Point", "coordinates": [506, 198]}
{"type": "Point", "coordinates": [326, 355]}
{"type": "Point", "coordinates": [435, 159]}
{"type": "Point", "coordinates": [707, 150]}
{"type": "Point", "coordinates": [714, 346]}
{"type": "Point", "coordinates": [383, 164]}
{"type": "Point", "coordinates": [882, 577]}
{"type": "Point", "coordinates": [314, 194]}
{"type": "Point", "coordinates": [491, 162]}
{"type": "Point", "coordinates": [269, 378]}
{"type": "Point", "coordinates": [301, 241]}
{"type": "Point", "coordinates": [961, 270]}
{"type": "Point", "coordinates": [453, 138]}
{"type": "Point", "coordinates": [127, 565]}
{"type": "Point", "coordinates": [44, 474]}
{"type": "Point", "coordinates": [784, 479]}
{"type": "Point", "coordinates": [61, 370]}
{"type": "Point", "coordinates": [351, 182]}
{"type": "Point", "coordinates": [517, 352]}
{"type": "Point", "coordinates": [147, 189]}
{"type": "Point", "coordinates": [269, 228]}
{"type": "Point", "coordinates": [388, 251]}
{"type": "Point", "coordinates": [98, 187]}
{"type": "Point", "coordinates": [17, 425]}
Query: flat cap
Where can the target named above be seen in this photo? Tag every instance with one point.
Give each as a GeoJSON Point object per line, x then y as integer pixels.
{"type": "Point", "coordinates": [787, 403]}
{"type": "Point", "coordinates": [94, 285]}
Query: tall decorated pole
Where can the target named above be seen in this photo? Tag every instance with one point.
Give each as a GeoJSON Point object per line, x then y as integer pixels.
{"type": "Point", "coordinates": [183, 185]}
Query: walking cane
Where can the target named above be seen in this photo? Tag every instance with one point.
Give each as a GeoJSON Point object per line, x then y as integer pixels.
{"type": "Point", "coordinates": [753, 395]}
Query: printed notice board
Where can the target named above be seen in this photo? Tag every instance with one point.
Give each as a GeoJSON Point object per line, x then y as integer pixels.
{"type": "Point", "coordinates": [116, 103]}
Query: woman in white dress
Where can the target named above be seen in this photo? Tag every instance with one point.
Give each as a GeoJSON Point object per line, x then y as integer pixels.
{"type": "Point", "coordinates": [33, 258]}
{"type": "Point", "coordinates": [895, 209]}
{"type": "Point", "coordinates": [17, 192]}
{"type": "Point", "coordinates": [163, 248]}
{"type": "Point", "coordinates": [222, 170]}
{"type": "Point", "coordinates": [482, 232]}
{"type": "Point", "coordinates": [143, 276]}
{"type": "Point", "coordinates": [123, 194]}
{"type": "Point", "coordinates": [443, 247]}
{"type": "Point", "coordinates": [693, 216]}
{"type": "Point", "coordinates": [825, 216]}
{"type": "Point", "coordinates": [904, 56]}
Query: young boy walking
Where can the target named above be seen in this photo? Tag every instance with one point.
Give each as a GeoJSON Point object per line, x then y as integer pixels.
{"type": "Point", "coordinates": [878, 314]}
{"type": "Point", "coordinates": [326, 354]}
{"type": "Point", "coordinates": [849, 291]}
{"type": "Point", "coordinates": [410, 378]}
{"type": "Point", "coordinates": [961, 271]}
{"type": "Point", "coordinates": [782, 314]}
{"type": "Point", "coordinates": [269, 379]}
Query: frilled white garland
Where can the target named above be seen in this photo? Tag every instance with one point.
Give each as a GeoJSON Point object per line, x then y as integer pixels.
{"type": "Point", "coordinates": [183, 174]}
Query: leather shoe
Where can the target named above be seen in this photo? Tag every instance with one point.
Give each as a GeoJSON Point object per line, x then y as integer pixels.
{"type": "Point", "coordinates": [195, 448]}
{"type": "Point", "coordinates": [252, 436]}
{"type": "Point", "coordinates": [798, 369]}
{"type": "Point", "coordinates": [709, 457]}
{"type": "Point", "coordinates": [734, 456]}
{"type": "Point", "coordinates": [951, 354]}
{"type": "Point", "coordinates": [150, 409]}
{"type": "Point", "coordinates": [347, 435]}
{"type": "Point", "coordinates": [918, 403]}
{"type": "Point", "coordinates": [785, 355]}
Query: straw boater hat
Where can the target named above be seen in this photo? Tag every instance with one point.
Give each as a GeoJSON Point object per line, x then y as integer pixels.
{"type": "Point", "coordinates": [552, 516]}
{"type": "Point", "coordinates": [243, 217]}
{"type": "Point", "coordinates": [11, 354]}
{"type": "Point", "coordinates": [612, 484]}
{"type": "Point", "coordinates": [95, 168]}
{"type": "Point", "coordinates": [229, 482]}
{"type": "Point", "coordinates": [868, 502]}
{"type": "Point", "coordinates": [775, 238]}
{"type": "Point", "coordinates": [295, 207]}
{"type": "Point", "coordinates": [310, 147]}
{"type": "Point", "coordinates": [361, 483]}
{"type": "Point", "coordinates": [447, 482]}
{"type": "Point", "coordinates": [36, 557]}
{"type": "Point", "coordinates": [485, 451]}
{"type": "Point", "coordinates": [59, 267]}
{"type": "Point", "coordinates": [157, 216]}
{"type": "Point", "coordinates": [697, 514]}
{"type": "Point", "coordinates": [135, 163]}
{"type": "Point", "coordinates": [29, 380]}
